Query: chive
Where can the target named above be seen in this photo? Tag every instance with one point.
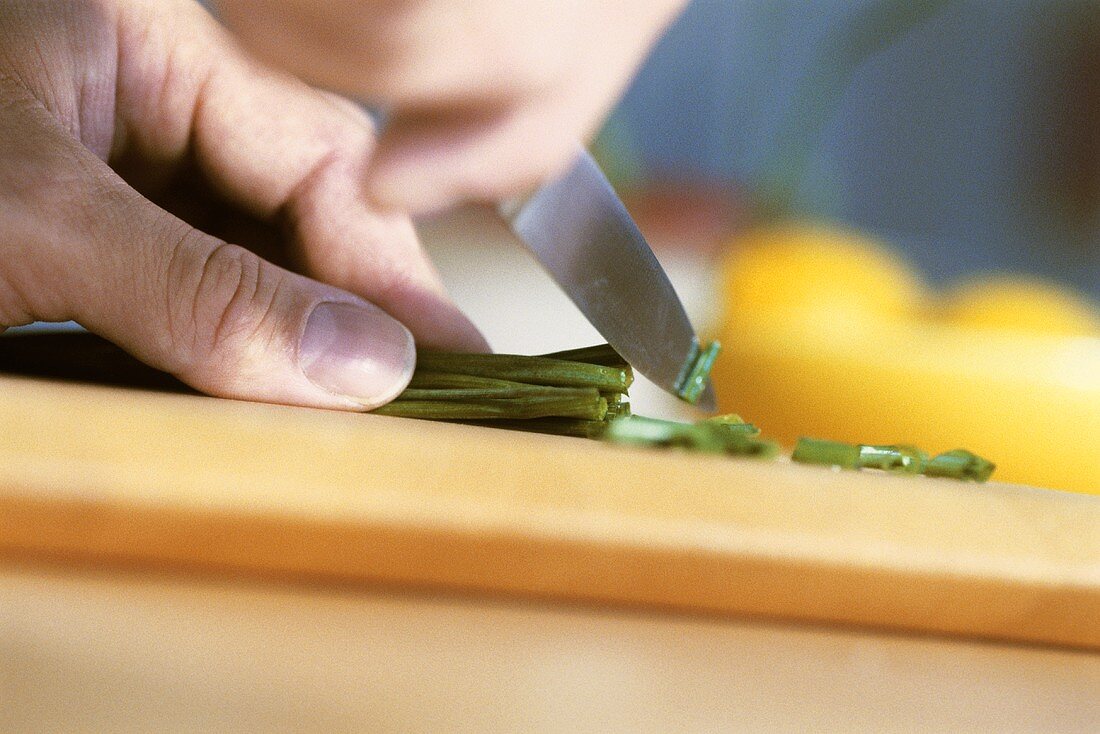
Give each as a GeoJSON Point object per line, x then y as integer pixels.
{"type": "Point", "coordinates": [703, 436]}
{"type": "Point", "coordinates": [446, 381]}
{"type": "Point", "coordinates": [832, 453]}
{"type": "Point", "coordinates": [729, 419]}
{"type": "Point", "coordinates": [531, 370]}
{"type": "Point", "coordinates": [696, 373]}
{"type": "Point", "coordinates": [590, 407]}
{"type": "Point", "coordinates": [512, 391]}
{"type": "Point", "coordinates": [745, 445]}
{"type": "Point", "coordinates": [603, 354]}
{"type": "Point", "coordinates": [904, 459]}
{"type": "Point", "coordinates": [639, 430]}
{"type": "Point", "coordinates": [960, 464]}
{"type": "Point", "coordinates": [617, 407]}
{"type": "Point", "coordinates": [574, 427]}
{"type": "Point", "coordinates": [735, 424]}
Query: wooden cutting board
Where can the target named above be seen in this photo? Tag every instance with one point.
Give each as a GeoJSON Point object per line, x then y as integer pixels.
{"type": "Point", "coordinates": [122, 476]}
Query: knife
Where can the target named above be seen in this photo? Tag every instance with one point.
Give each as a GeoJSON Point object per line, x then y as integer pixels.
{"type": "Point", "coordinates": [579, 230]}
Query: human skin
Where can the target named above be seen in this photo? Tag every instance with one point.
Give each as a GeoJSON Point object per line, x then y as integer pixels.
{"type": "Point", "coordinates": [486, 98]}
{"type": "Point", "coordinates": [140, 147]}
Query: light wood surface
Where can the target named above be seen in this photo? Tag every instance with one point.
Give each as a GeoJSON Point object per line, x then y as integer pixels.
{"type": "Point", "coordinates": [91, 651]}
{"type": "Point", "coordinates": [138, 478]}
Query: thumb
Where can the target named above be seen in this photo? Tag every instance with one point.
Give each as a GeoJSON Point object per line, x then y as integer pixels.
{"type": "Point", "coordinates": [80, 244]}
{"type": "Point", "coordinates": [238, 326]}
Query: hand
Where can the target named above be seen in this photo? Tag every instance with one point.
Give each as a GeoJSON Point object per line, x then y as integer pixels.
{"type": "Point", "coordinates": [487, 97]}
{"type": "Point", "coordinates": [107, 106]}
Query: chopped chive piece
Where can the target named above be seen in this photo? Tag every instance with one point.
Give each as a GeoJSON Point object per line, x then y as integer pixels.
{"type": "Point", "coordinates": [696, 373]}
{"type": "Point", "coordinates": [728, 418]}
{"type": "Point", "coordinates": [904, 459]}
{"type": "Point", "coordinates": [960, 464]}
{"type": "Point", "coordinates": [705, 437]}
{"type": "Point", "coordinates": [744, 445]}
{"type": "Point", "coordinates": [735, 424]}
{"type": "Point", "coordinates": [821, 451]}
{"type": "Point", "coordinates": [531, 370]}
{"type": "Point", "coordinates": [639, 430]}
{"type": "Point", "coordinates": [619, 409]}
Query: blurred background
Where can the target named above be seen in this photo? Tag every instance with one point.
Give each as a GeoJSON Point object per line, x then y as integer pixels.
{"type": "Point", "coordinates": [966, 133]}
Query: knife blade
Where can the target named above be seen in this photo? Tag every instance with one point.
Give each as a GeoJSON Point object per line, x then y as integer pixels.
{"type": "Point", "coordinates": [579, 230]}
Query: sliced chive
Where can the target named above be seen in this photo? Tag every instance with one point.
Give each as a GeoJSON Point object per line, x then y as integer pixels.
{"type": "Point", "coordinates": [831, 453]}
{"type": "Point", "coordinates": [696, 373]}
{"type": "Point", "coordinates": [739, 444]}
{"type": "Point", "coordinates": [603, 354]}
{"type": "Point", "coordinates": [703, 436]}
{"type": "Point", "coordinates": [531, 370]}
{"type": "Point", "coordinates": [960, 464]}
{"type": "Point", "coordinates": [735, 424]}
{"type": "Point", "coordinates": [620, 410]}
{"type": "Point", "coordinates": [640, 430]}
{"type": "Point", "coordinates": [903, 459]}
{"type": "Point", "coordinates": [727, 418]}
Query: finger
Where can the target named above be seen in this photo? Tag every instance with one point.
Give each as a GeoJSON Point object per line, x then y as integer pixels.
{"type": "Point", "coordinates": [340, 240]}
{"type": "Point", "coordinates": [430, 160]}
{"type": "Point", "coordinates": [402, 53]}
{"type": "Point", "coordinates": [82, 245]}
{"type": "Point", "coordinates": [285, 151]}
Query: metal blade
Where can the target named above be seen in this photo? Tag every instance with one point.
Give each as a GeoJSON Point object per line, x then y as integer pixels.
{"type": "Point", "coordinates": [579, 230]}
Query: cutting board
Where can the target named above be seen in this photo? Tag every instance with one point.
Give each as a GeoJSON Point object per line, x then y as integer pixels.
{"type": "Point", "coordinates": [118, 476]}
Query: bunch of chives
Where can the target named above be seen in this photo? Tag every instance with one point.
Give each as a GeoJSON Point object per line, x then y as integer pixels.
{"type": "Point", "coordinates": [575, 392]}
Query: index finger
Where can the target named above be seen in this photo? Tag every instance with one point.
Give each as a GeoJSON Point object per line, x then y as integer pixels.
{"type": "Point", "coordinates": [283, 151]}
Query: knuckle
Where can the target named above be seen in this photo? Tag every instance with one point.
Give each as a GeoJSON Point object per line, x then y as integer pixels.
{"type": "Point", "coordinates": [14, 308]}
{"type": "Point", "coordinates": [394, 281]}
{"type": "Point", "coordinates": [220, 299]}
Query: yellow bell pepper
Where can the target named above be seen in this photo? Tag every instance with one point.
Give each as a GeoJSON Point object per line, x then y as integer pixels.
{"type": "Point", "coordinates": [826, 333]}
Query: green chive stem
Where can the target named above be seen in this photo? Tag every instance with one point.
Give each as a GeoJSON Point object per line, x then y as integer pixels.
{"type": "Point", "coordinates": [960, 464]}
{"type": "Point", "coordinates": [591, 408]}
{"type": "Point", "coordinates": [696, 374]}
{"type": "Point", "coordinates": [575, 427]}
{"type": "Point", "coordinates": [603, 354]}
{"type": "Point", "coordinates": [516, 391]}
{"type": "Point", "coordinates": [903, 459]}
{"type": "Point", "coordinates": [531, 370]}
{"type": "Point", "coordinates": [831, 453]}
{"type": "Point", "coordinates": [735, 424]}
{"type": "Point", "coordinates": [704, 436]}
